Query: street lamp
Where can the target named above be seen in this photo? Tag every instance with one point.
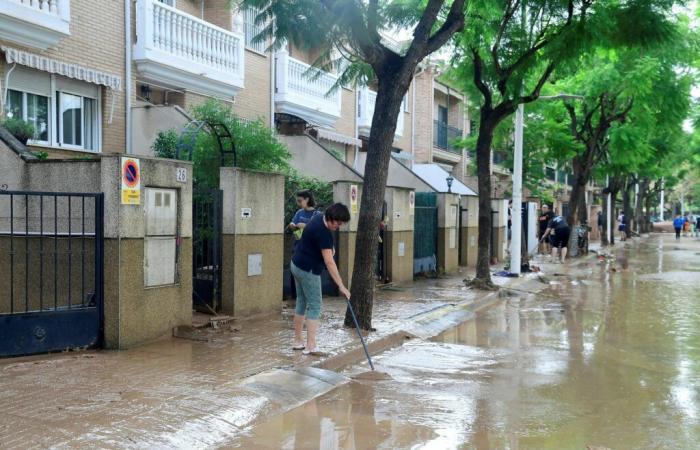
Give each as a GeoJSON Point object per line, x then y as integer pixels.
{"type": "Point", "coordinates": [449, 180]}
{"type": "Point", "coordinates": [516, 218]}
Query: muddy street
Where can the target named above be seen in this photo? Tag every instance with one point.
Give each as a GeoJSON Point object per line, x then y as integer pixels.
{"type": "Point", "coordinates": [606, 356]}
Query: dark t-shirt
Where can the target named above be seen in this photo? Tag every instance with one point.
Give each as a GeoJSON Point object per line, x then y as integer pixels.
{"type": "Point", "coordinates": [545, 219]}
{"type": "Point", "coordinates": [316, 237]}
{"type": "Point", "coordinates": [601, 222]}
{"type": "Point", "coordinates": [559, 224]}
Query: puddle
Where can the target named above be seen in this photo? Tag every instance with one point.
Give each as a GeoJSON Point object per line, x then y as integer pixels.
{"type": "Point", "coordinates": [610, 363]}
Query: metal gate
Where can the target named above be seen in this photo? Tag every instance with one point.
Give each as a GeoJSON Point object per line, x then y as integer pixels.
{"type": "Point", "coordinates": [207, 219]}
{"type": "Point", "coordinates": [425, 233]}
{"type": "Point", "coordinates": [51, 277]}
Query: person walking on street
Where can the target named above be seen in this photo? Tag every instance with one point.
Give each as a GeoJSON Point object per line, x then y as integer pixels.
{"type": "Point", "coordinates": [558, 232]}
{"type": "Point", "coordinates": [545, 217]}
{"type": "Point", "coordinates": [307, 209]}
{"type": "Point", "coordinates": [686, 226]}
{"type": "Point", "coordinates": [601, 225]}
{"type": "Point", "coordinates": [622, 227]}
{"type": "Point", "coordinates": [697, 225]}
{"type": "Point", "coordinates": [678, 223]}
{"type": "Point", "coordinates": [315, 250]}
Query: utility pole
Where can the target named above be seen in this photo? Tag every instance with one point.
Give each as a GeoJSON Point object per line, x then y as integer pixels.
{"type": "Point", "coordinates": [608, 218]}
{"type": "Point", "coordinates": [517, 216]}
{"type": "Point", "coordinates": [516, 219]}
{"type": "Point", "coordinates": [661, 202]}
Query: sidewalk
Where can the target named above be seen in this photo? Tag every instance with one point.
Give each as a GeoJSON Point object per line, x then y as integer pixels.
{"type": "Point", "coordinates": [182, 393]}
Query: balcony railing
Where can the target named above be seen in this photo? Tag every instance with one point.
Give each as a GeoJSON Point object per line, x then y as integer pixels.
{"type": "Point", "coordinates": [43, 22]}
{"type": "Point", "coordinates": [444, 136]}
{"type": "Point", "coordinates": [366, 100]}
{"type": "Point", "coordinates": [181, 50]}
{"type": "Point", "coordinates": [305, 92]}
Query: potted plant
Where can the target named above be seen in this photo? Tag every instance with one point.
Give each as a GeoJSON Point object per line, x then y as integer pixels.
{"type": "Point", "coordinates": [23, 131]}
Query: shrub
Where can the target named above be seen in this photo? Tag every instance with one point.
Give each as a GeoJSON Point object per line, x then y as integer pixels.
{"type": "Point", "coordinates": [20, 129]}
{"type": "Point", "coordinates": [165, 145]}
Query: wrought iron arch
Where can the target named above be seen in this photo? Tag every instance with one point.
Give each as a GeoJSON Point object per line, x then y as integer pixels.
{"type": "Point", "coordinates": [224, 140]}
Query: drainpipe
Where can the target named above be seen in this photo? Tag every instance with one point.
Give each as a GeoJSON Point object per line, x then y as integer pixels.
{"type": "Point", "coordinates": [273, 56]}
{"type": "Point", "coordinates": [356, 135]}
{"type": "Point", "coordinates": [127, 58]}
{"type": "Point", "coordinates": [413, 119]}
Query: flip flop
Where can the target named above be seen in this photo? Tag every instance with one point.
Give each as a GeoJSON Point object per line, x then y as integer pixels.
{"type": "Point", "coordinates": [298, 347]}
{"type": "Point", "coordinates": [314, 352]}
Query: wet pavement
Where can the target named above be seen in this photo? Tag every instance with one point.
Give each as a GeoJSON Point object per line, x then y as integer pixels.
{"type": "Point", "coordinates": [192, 394]}
{"type": "Point", "coordinates": [607, 356]}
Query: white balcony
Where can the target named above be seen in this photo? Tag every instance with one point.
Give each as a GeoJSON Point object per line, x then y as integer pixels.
{"type": "Point", "coordinates": [303, 91]}
{"type": "Point", "coordinates": [181, 51]}
{"type": "Point", "coordinates": [38, 24]}
{"type": "Point", "coordinates": [366, 100]}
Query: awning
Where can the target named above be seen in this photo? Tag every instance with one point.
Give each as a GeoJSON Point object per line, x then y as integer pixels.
{"type": "Point", "coordinates": [324, 133]}
{"type": "Point", "coordinates": [436, 177]}
{"type": "Point", "coordinates": [75, 71]}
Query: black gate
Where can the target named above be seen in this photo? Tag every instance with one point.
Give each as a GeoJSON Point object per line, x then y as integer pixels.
{"type": "Point", "coordinates": [207, 219]}
{"type": "Point", "coordinates": [51, 277]}
{"type": "Point", "coordinates": [425, 233]}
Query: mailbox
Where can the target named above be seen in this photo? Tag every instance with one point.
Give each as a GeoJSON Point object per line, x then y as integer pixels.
{"type": "Point", "coordinates": [160, 239]}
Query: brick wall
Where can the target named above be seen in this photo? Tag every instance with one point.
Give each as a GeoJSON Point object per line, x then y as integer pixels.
{"type": "Point", "coordinates": [424, 117]}
{"type": "Point", "coordinates": [191, 7]}
{"type": "Point", "coordinates": [254, 100]}
{"type": "Point", "coordinates": [218, 12]}
{"type": "Point", "coordinates": [95, 41]}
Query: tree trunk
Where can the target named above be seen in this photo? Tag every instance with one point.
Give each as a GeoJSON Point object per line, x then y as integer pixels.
{"type": "Point", "coordinates": [483, 170]}
{"type": "Point", "coordinates": [627, 206]}
{"type": "Point", "coordinates": [577, 200]}
{"type": "Point", "coordinates": [639, 210]}
{"type": "Point", "coordinates": [604, 232]}
{"type": "Point", "coordinates": [389, 97]}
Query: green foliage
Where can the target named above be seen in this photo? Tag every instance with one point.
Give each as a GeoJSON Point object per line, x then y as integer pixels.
{"type": "Point", "coordinates": [41, 155]}
{"type": "Point", "coordinates": [256, 145]}
{"type": "Point", "coordinates": [20, 129]}
{"type": "Point", "coordinates": [165, 145]}
{"type": "Point", "coordinates": [295, 182]}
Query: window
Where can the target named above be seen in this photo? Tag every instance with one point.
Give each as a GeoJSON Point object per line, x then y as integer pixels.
{"type": "Point", "coordinates": [168, 2]}
{"type": "Point", "coordinates": [31, 108]}
{"type": "Point", "coordinates": [77, 121]}
{"type": "Point", "coordinates": [252, 30]}
{"type": "Point", "coordinates": [64, 112]}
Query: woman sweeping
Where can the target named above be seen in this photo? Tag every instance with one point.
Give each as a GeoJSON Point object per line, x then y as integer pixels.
{"type": "Point", "coordinates": [314, 252]}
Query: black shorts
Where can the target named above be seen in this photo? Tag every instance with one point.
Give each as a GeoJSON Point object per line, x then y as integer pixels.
{"type": "Point", "coordinates": [560, 237]}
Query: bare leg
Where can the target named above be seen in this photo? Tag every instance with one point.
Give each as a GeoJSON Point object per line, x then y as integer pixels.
{"type": "Point", "coordinates": [311, 329]}
{"type": "Point", "coordinates": [563, 253]}
{"type": "Point", "coordinates": [298, 329]}
{"type": "Point", "coordinates": [554, 252]}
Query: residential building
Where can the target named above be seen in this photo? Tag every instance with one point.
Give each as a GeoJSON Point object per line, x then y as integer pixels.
{"type": "Point", "coordinates": [72, 78]}
{"type": "Point", "coordinates": [441, 120]}
{"type": "Point", "coordinates": [63, 71]}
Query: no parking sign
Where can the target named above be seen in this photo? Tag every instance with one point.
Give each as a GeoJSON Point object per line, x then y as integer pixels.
{"type": "Point", "coordinates": [131, 181]}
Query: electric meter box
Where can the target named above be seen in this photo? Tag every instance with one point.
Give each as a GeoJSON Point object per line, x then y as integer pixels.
{"type": "Point", "coordinates": [160, 241]}
{"type": "Point", "coordinates": [161, 212]}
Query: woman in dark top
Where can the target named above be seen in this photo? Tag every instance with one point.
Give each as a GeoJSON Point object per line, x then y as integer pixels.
{"type": "Point", "coordinates": [314, 252]}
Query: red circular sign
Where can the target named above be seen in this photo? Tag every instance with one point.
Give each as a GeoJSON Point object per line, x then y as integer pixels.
{"type": "Point", "coordinates": [130, 173]}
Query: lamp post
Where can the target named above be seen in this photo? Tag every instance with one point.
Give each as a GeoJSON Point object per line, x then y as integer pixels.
{"type": "Point", "coordinates": [449, 180]}
{"type": "Point", "coordinates": [516, 217]}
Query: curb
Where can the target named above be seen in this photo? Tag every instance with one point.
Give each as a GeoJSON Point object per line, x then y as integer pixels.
{"type": "Point", "coordinates": [425, 326]}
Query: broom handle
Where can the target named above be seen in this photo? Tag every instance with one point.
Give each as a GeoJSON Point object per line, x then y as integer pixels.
{"type": "Point", "coordinates": [357, 327]}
